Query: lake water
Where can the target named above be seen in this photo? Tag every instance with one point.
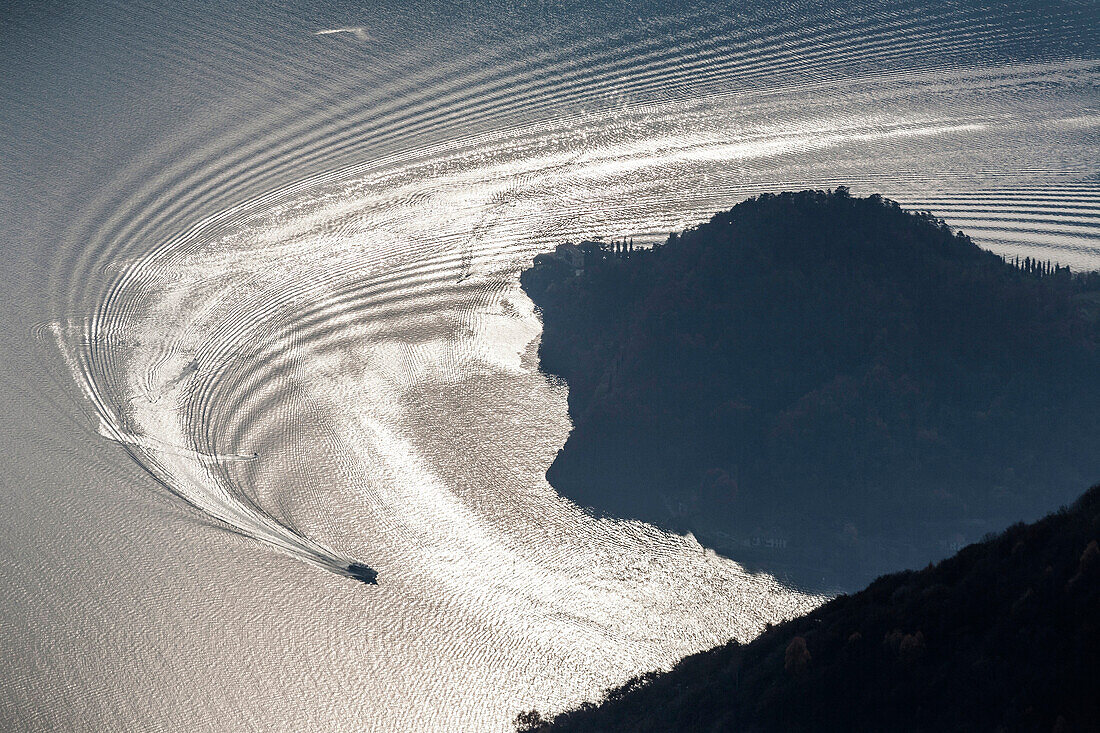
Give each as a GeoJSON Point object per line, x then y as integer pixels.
{"type": "Point", "coordinates": [260, 319]}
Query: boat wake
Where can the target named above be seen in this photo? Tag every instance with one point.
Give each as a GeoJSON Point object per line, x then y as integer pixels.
{"type": "Point", "coordinates": [285, 287]}
{"type": "Point", "coordinates": [306, 314]}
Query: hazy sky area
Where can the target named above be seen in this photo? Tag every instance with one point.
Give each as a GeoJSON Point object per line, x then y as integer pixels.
{"type": "Point", "coordinates": [260, 319]}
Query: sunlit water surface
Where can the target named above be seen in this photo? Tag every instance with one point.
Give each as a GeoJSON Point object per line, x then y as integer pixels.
{"type": "Point", "coordinates": [262, 277]}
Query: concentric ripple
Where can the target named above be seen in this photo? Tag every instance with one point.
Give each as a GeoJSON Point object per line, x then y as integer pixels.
{"type": "Point", "coordinates": [292, 298]}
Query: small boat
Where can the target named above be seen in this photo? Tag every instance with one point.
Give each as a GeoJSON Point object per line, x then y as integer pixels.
{"type": "Point", "coordinates": [363, 573]}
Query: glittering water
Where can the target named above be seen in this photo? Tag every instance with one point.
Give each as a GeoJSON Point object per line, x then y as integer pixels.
{"type": "Point", "coordinates": [261, 267]}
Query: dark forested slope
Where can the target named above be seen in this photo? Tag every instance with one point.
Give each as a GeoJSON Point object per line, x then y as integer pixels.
{"type": "Point", "coordinates": [1003, 636]}
{"type": "Point", "coordinates": [826, 386]}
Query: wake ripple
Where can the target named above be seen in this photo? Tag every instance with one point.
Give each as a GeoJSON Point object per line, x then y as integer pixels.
{"type": "Point", "coordinates": [302, 318]}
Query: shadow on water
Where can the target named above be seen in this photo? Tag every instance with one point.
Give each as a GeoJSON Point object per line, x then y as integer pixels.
{"type": "Point", "coordinates": [810, 565]}
{"type": "Point", "coordinates": [808, 556]}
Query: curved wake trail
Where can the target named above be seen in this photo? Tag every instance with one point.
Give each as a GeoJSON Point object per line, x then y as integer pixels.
{"type": "Point", "coordinates": [249, 299]}
{"type": "Point", "coordinates": [301, 315]}
{"type": "Point", "coordinates": [197, 476]}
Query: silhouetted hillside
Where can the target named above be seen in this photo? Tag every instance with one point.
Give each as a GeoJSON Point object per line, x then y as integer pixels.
{"type": "Point", "coordinates": [824, 386]}
{"type": "Point", "coordinates": [1003, 636]}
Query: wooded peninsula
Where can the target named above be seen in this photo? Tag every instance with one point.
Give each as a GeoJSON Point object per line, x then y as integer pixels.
{"type": "Point", "coordinates": [823, 386]}
{"type": "Point", "coordinates": [831, 388]}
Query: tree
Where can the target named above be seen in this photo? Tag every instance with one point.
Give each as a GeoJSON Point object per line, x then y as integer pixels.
{"type": "Point", "coordinates": [797, 658]}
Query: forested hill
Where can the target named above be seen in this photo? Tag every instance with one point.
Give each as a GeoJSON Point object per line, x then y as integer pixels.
{"type": "Point", "coordinates": [1004, 636]}
{"type": "Point", "coordinates": [824, 386]}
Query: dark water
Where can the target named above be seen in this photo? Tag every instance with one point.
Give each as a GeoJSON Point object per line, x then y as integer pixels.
{"type": "Point", "coordinates": [260, 276]}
